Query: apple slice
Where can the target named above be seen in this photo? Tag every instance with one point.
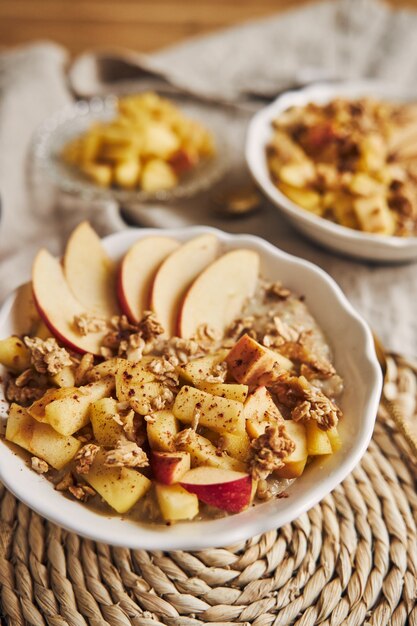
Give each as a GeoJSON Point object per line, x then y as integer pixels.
{"type": "Point", "coordinates": [217, 296]}
{"type": "Point", "coordinates": [57, 305]}
{"type": "Point", "coordinates": [137, 272]}
{"type": "Point", "coordinates": [169, 467]}
{"type": "Point", "coordinates": [225, 489]}
{"type": "Point", "coordinates": [90, 273]}
{"type": "Point", "coordinates": [175, 276]}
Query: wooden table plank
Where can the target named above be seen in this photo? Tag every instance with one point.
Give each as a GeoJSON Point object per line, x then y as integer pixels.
{"type": "Point", "coordinates": [140, 25]}
{"type": "Point", "coordinates": [143, 25]}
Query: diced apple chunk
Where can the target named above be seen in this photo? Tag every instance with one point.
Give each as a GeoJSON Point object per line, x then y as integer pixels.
{"type": "Point", "coordinates": [106, 368]}
{"type": "Point", "coordinates": [260, 411]}
{"type": "Point", "coordinates": [40, 439]}
{"type": "Point", "coordinates": [130, 376]}
{"type": "Point", "coordinates": [334, 438]}
{"type": "Point", "coordinates": [225, 489]}
{"type": "Point", "coordinates": [199, 370]}
{"type": "Point", "coordinates": [64, 378]}
{"type": "Point", "coordinates": [161, 430]}
{"type": "Point", "coordinates": [14, 355]}
{"type": "Point", "coordinates": [231, 391]}
{"type": "Point", "coordinates": [203, 452]}
{"type": "Point", "coordinates": [38, 408]}
{"type": "Point", "coordinates": [296, 461]}
{"type": "Point", "coordinates": [144, 395]}
{"type": "Point", "coordinates": [317, 440]}
{"type": "Point", "coordinates": [169, 467]}
{"type": "Point", "coordinates": [236, 444]}
{"type": "Point", "coordinates": [248, 361]}
{"type": "Point", "coordinates": [218, 414]}
{"type": "Point", "coordinates": [107, 431]}
{"type": "Point", "coordinates": [176, 503]}
{"type": "Point", "coordinates": [120, 487]}
{"type": "Point", "coordinates": [69, 414]}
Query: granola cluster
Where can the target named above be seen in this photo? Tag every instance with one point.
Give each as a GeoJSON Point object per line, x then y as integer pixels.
{"type": "Point", "coordinates": [47, 357]}
{"type": "Point", "coordinates": [130, 340]}
{"type": "Point", "coordinates": [306, 401]}
{"type": "Point", "coordinates": [268, 451]}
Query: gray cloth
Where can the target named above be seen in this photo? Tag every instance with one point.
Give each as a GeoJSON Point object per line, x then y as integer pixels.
{"type": "Point", "coordinates": [347, 38]}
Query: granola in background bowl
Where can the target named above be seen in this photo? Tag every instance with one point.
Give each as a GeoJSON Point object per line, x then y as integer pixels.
{"type": "Point", "coordinates": [350, 161]}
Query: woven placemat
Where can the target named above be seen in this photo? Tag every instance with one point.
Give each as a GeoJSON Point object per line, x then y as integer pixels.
{"type": "Point", "coordinates": [350, 560]}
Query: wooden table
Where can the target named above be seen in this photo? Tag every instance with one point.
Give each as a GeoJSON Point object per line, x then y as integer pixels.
{"type": "Point", "coordinates": [142, 25]}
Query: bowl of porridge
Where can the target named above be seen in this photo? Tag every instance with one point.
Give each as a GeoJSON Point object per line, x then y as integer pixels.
{"type": "Point", "coordinates": [180, 389]}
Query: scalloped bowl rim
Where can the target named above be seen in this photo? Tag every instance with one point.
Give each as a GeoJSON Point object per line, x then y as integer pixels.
{"type": "Point", "coordinates": [38, 494]}
{"type": "Point", "coordinates": [320, 93]}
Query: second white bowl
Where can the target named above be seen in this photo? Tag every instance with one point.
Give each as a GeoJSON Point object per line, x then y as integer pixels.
{"type": "Point", "coordinates": [338, 238]}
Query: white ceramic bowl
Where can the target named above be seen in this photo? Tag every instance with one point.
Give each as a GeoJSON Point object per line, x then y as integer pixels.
{"type": "Point", "coordinates": [355, 359]}
{"type": "Point", "coordinates": [338, 238]}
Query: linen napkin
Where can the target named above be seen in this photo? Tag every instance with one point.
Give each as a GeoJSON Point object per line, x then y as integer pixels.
{"type": "Point", "coordinates": [224, 69]}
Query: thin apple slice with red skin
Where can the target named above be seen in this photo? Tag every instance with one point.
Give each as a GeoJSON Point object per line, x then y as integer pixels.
{"type": "Point", "coordinates": [169, 467]}
{"type": "Point", "coordinates": [57, 305]}
{"type": "Point", "coordinates": [218, 295]}
{"type": "Point", "coordinates": [90, 273]}
{"type": "Point", "coordinates": [225, 489]}
{"type": "Point", "coordinates": [137, 272]}
{"type": "Point", "coordinates": [175, 276]}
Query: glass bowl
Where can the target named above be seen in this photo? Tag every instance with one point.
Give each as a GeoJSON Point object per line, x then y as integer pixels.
{"type": "Point", "coordinates": [76, 118]}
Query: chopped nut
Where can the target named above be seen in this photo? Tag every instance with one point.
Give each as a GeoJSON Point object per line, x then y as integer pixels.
{"type": "Point", "coordinates": [149, 327]}
{"type": "Point", "coordinates": [180, 350]}
{"type": "Point", "coordinates": [218, 373]}
{"type": "Point", "coordinates": [86, 323]}
{"type": "Point", "coordinates": [47, 357]}
{"type": "Point", "coordinates": [206, 337]}
{"type": "Point", "coordinates": [268, 451]}
{"type": "Point", "coordinates": [126, 454]}
{"type": "Point", "coordinates": [85, 457]}
{"type": "Point", "coordinates": [24, 378]}
{"type": "Point", "coordinates": [241, 326]}
{"type": "Point", "coordinates": [277, 290]}
{"type": "Point", "coordinates": [22, 395]}
{"type": "Point", "coordinates": [132, 424]}
{"type": "Point", "coordinates": [288, 333]}
{"type": "Point", "coordinates": [81, 492]}
{"type": "Point", "coordinates": [39, 465]}
{"type": "Point", "coordinates": [131, 340]}
{"type": "Point", "coordinates": [65, 483]}
{"type": "Point", "coordinates": [165, 371]}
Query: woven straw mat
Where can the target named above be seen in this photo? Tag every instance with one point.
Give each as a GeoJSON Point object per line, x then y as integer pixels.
{"type": "Point", "coordinates": [351, 560]}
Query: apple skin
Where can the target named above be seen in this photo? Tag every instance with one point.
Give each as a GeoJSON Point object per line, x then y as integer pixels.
{"type": "Point", "coordinates": [218, 294]}
{"type": "Point", "coordinates": [90, 273]}
{"type": "Point", "coordinates": [224, 489]}
{"type": "Point", "coordinates": [169, 467]}
{"type": "Point", "coordinates": [124, 305]}
{"type": "Point", "coordinates": [137, 271]}
{"type": "Point", "coordinates": [57, 306]}
{"type": "Point", "coordinates": [175, 275]}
